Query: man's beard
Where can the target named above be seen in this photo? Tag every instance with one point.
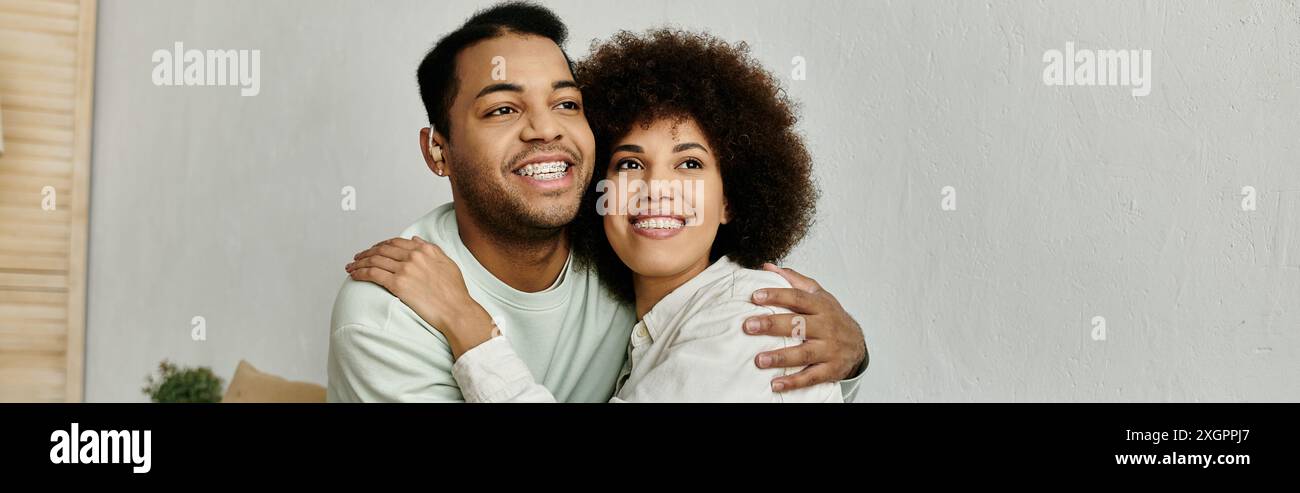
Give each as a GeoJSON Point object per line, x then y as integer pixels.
{"type": "Point", "coordinates": [510, 218]}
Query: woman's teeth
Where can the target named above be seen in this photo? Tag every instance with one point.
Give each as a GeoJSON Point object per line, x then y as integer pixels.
{"type": "Point", "coordinates": [544, 171]}
{"type": "Point", "coordinates": [659, 223]}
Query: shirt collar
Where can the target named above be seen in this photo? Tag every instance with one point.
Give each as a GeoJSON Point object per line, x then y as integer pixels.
{"type": "Point", "coordinates": [668, 308]}
{"type": "Point", "coordinates": [474, 272]}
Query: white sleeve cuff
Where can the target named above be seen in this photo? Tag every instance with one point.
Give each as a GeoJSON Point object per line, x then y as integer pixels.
{"type": "Point", "coordinates": [491, 372]}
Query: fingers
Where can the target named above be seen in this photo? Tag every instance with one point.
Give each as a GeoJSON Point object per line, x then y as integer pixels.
{"type": "Point", "coordinates": [812, 375]}
{"type": "Point", "coordinates": [388, 251]}
{"type": "Point", "coordinates": [420, 245]}
{"type": "Point", "coordinates": [796, 280]}
{"type": "Point", "coordinates": [796, 300]}
{"type": "Point", "coordinates": [808, 353]}
{"type": "Point", "coordinates": [375, 275]}
{"type": "Point", "coordinates": [398, 242]}
{"type": "Point", "coordinates": [780, 325]}
{"type": "Point", "coordinates": [401, 243]}
{"type": "Point", "coordinates": [813, 355]}
{"type": "Point", "coordinates": [432, 249]}
{"type": "Point", "coordinates": [400, 248]}
{"type": "Point", "coordinates": [375, 261]}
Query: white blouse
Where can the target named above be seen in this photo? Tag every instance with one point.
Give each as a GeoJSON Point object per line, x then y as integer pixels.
{"type": "Point", "coordinates": [688, 348]}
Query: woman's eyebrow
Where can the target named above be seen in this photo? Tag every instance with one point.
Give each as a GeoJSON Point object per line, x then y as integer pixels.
{"type": "Point", "coordinates": [688, 145]}
{"type": "Point", "coordinates": [629, 148]}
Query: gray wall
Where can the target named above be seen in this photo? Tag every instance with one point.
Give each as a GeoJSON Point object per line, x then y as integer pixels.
{"type": "Point", "coordinates": [1072, 202]}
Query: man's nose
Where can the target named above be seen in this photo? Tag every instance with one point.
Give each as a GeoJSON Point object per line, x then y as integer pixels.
{"type": "Point", "coordinates": [541, 126]}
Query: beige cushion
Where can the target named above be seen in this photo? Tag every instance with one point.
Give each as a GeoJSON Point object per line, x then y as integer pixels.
{"type": "Point", "coordinates": [251, 385]}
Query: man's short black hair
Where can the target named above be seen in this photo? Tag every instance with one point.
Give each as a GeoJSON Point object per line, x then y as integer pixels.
{"type": "Point", "coordinates": [437, 73]}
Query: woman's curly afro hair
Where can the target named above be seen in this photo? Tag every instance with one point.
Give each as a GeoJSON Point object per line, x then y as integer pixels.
{"type": "Point", "coordinates": [749, 121]}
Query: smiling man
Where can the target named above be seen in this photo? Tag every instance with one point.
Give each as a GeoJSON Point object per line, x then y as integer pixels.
{"type": "Point", "coordinates": [508, 131]}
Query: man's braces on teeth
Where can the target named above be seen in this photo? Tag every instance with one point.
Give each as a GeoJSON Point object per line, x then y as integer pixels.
{"type": "Point", "coordinates": [545, 171]}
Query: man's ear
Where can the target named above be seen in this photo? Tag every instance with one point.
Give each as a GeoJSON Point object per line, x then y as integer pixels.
{"type": "Point", "coordinates": [434, 148]}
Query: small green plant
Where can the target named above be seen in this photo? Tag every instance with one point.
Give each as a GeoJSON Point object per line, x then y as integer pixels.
{"type": "Point", "coordinates": [175, 384]}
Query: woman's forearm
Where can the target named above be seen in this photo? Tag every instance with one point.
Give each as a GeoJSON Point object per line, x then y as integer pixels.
{"type": "Point", "coordinates": [467, 328]}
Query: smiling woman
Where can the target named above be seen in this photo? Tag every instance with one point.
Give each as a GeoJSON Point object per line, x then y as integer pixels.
{"type": "Point", "coordinates": [739, 120]}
